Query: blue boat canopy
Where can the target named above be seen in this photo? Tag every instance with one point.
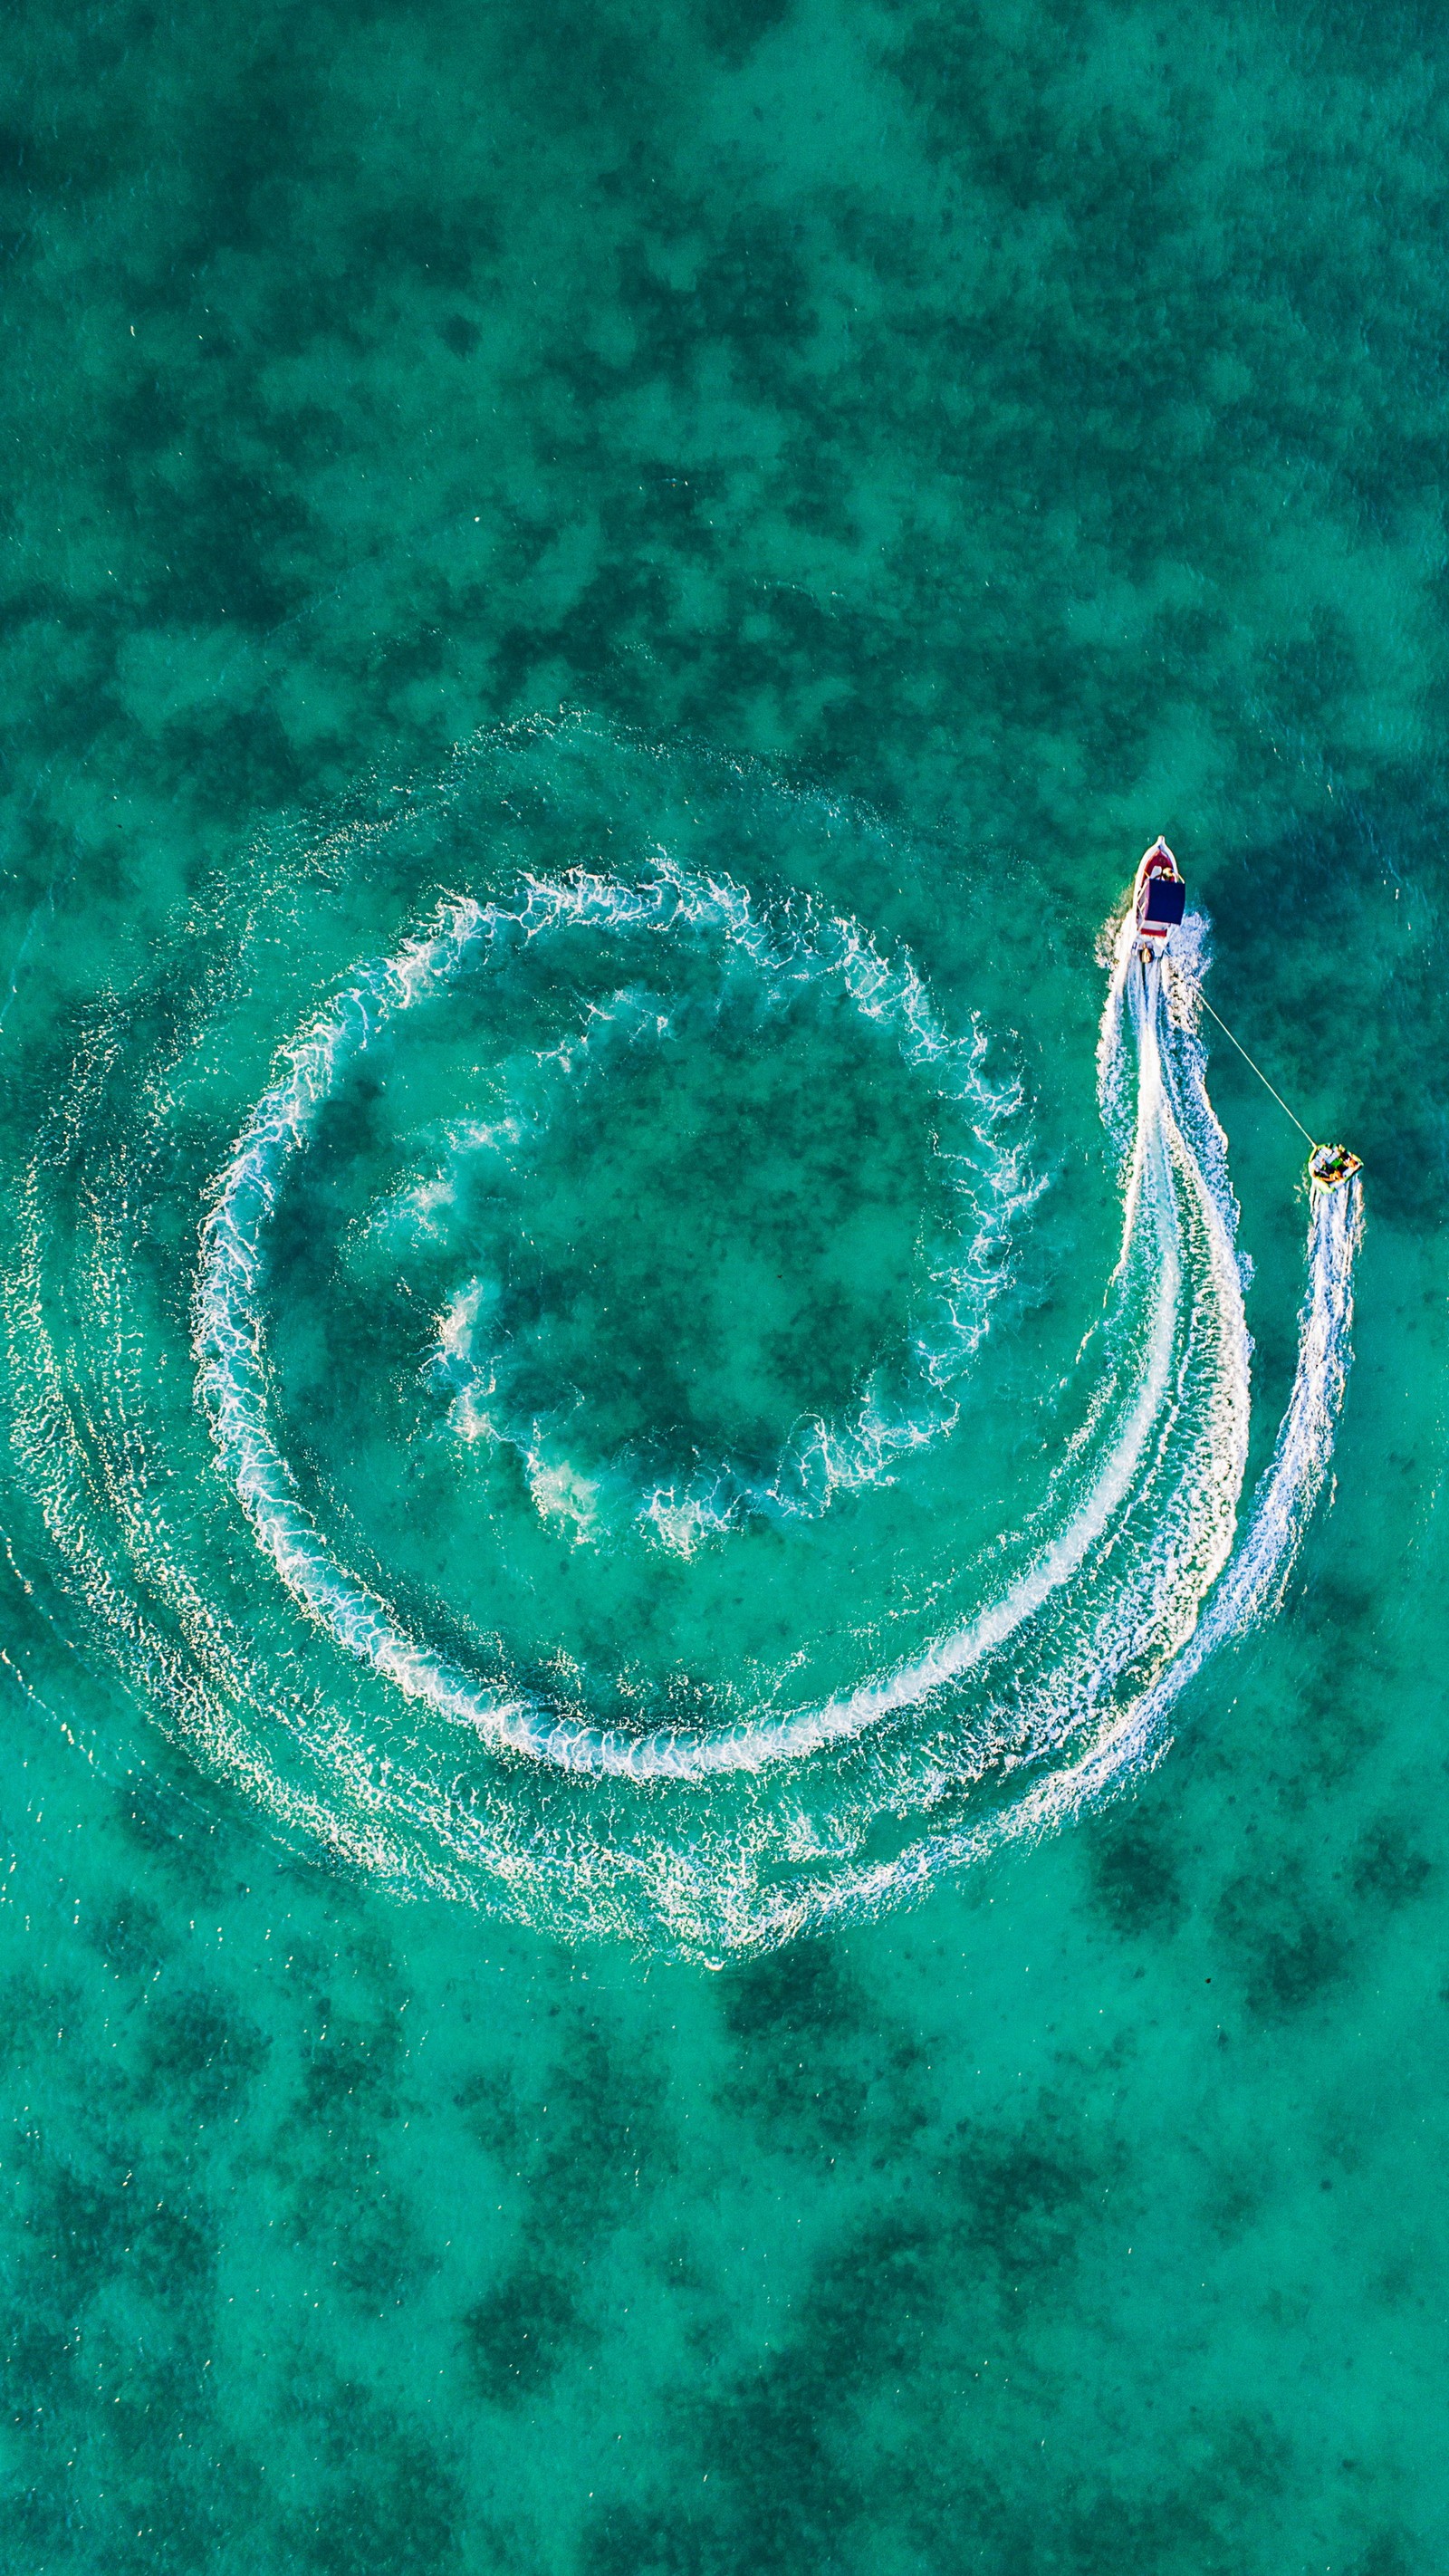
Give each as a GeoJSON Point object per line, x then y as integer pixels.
{"type": "Point", "coordinates": [1164, 899]}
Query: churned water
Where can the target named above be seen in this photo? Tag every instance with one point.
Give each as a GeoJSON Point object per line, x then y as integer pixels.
{"type": "Point", "coordinates": [723, 1614]}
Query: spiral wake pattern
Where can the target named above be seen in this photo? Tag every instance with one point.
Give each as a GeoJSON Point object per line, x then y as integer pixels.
{"type": "Point", "coordinates": [413, 1547]}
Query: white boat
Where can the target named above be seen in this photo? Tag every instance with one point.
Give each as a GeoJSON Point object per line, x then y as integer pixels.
{"type": "Point", "coordinates": [1159, 896]}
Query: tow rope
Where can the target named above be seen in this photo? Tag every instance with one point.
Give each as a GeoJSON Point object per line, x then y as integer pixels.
{"type": "Point", "coordinates": [1247, 1059]}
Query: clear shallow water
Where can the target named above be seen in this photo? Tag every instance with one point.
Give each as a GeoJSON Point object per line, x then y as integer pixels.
{"type": "Point", "coordinates": [934, 454]}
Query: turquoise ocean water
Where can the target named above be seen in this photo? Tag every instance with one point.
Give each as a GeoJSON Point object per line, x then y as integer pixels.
{"type": "Point", "coordinates": [725, 1804]}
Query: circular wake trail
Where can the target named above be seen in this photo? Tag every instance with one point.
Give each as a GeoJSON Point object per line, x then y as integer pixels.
{"type": "Point", "coordinates": [1038, 1668]}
